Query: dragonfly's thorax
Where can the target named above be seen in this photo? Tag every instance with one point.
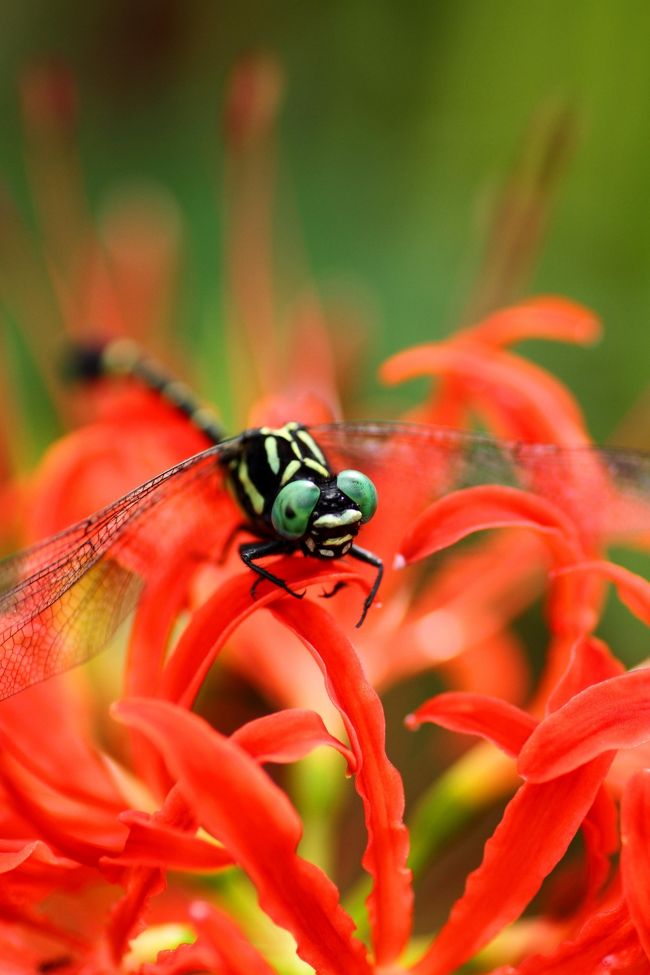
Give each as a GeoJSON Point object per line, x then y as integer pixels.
{"type": "Point", "coordinates": [333, 525]}
{"type": "Point", "coordinates": [265, 461]}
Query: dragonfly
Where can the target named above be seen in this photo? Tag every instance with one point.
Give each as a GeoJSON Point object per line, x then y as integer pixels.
{"type": "Point", "coordinates": [298, 489]}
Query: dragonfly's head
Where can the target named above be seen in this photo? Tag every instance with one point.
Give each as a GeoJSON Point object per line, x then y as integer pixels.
{"type": "Point", "coordinates": [323, 518]}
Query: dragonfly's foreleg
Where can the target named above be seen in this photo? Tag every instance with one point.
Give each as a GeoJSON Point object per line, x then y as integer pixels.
{"type": "Point", "coordinates": [250, 552]}
{"type": "Point", "coordinates": [370, 559]}
{"type": "Point", "coordinates": [333, 591]}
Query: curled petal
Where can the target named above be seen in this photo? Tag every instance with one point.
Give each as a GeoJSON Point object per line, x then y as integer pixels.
{"type": "Point", "coordinates": [632, 589]}
{"type": "Point", "coordinates": [229, 944]}
{"type": "Point", "coordinates": [531, 404]}
{"type": "Point", "coordinates": [377, 781]}
{"type": "Point", "coordinates": [230, 604]}
{"type": "Point", "coordinates": [474, 714]}
{"type": "Point", "coordinates": [607, 941]}
{"type": "Point", "coordinates": [546, 317]}
{"type": "Point", "coordinates": [231, 796]}
{"type": "Point", "coordinates": [154, 844]}
{"type": "Point", "coordinates": [591, 661]}
{"type": "Point", "coordinates": [612, 714]}
{"type": "Point", "coordinates": [287, 736]}
{"type": "Point", "coordinates": [461, 513]}
{"type": "Point", "coordinates": [534, 833]}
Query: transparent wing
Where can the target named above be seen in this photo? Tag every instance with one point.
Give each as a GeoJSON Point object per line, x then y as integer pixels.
{"type": "Point", "coordinates": [605, 491]}
{"type": "Point", "coordinates": [61, 600]}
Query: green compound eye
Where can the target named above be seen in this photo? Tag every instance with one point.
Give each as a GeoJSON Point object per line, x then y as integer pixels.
{"type": "Point", "coordinates": [361, 490]}
{"type": "Point", "coordinates": [293, 508]}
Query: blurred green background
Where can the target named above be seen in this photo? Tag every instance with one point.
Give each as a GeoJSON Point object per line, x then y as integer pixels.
{"type": "Point", "coordinates": [399, 124]}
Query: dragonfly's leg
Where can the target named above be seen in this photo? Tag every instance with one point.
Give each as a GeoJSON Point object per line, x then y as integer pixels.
{"type": "Point", "coordinates": [333, 591]}
{"type": "Point", "coordinates": [370, 559]}
{"type": "Point", "coordinates": [250, 552]}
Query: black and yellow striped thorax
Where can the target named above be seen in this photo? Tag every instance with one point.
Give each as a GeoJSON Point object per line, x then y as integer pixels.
{"type": "Point", "coordinates": [266, 460]}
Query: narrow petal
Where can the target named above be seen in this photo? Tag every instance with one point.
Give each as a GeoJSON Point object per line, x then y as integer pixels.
{"type": "Point", "coordinates": [545, 317]}
{"type": "Point", "coordinates": [632, 589]}
{"type": "Point", "coordinates": [534, 833]}
{"type": "Point", "coordinates": [474, 714]}
{"type": "Point", "coordinates": [287, 736]}
{"type": "Point", "coordinates": [607, 941]}
{"type": "Point", "coordinates": [600, 834]}
{"type": "Point", "coordinates": [377, 781]}
{"type": "Point", "coordinates": [612, 714]}
{"type": "Point", "coordinates": [591, 661]}
{"type": "Point", "coordinates": [212, 624]}
{"type": "Point", "coordinates": [461, 513]}
{"type": "Point", "coordinates": [635, 853]}
{"type": "Point", "coordinates": [532, 404]}
{"type": "Point", "coordinates": [153, 844]}
{"type": "Point", "coordinates": [232, 796]}
{"type": "Point", "coordinates": [229, 943]}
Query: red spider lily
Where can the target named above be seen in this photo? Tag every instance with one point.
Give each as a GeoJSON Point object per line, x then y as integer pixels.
{"type": "Point", "coordinates": [121, 849]}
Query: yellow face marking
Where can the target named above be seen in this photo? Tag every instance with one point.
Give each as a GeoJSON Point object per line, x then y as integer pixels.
{"type": "Point", "coordinates": [315, 466]}
{"type": "Point", "coordinates": [340, 540]}
{"type": "Point", "coordinates": [254, 495]}
{"type": "Point", "coordinates": [292, 468]}
{"type": "Point", "coordinates": [347, 517]}
{"type": "Point", "coordinates": [271, 447]}
{"type": "Point", "coordinates": [309, 442]}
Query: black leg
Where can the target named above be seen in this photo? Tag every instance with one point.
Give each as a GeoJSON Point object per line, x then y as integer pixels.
{"type": "Point", "coordinates": [250, 552]}
{"type": "Point", "coordinates": [370, 559]}
{"type": "Point", "coordinates": [333, 591]}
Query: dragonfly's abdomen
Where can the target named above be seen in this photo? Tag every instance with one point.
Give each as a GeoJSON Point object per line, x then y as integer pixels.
{"type": "Point", "coordinates": [122, 357]}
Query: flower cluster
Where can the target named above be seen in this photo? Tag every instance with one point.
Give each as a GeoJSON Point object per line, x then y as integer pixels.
{"type": "Point", "coordinates": [149, 836]}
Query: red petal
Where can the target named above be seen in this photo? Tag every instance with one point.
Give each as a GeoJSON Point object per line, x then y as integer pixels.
{"type": "Point", "coordinates": [463, 512]}
{"type": "Point", "coordinates": [534, 833]}
{"type": "Point", "coordinates": [230, 945]}
{"type": "Point", "coordinates": [473, 714]}
{"type": "Point", "coordinates": [632, 589]}
{"type": "Point", "coordinates": [612, 714]}
{"type": "Point", "coordinates": [232, 796]}
{"type": "Point", "coordinates": [287, 736]}
{"type": "Point", "coordinates": [533, 405]}
{"type": "Point", "coordinates": [154, 844]}
{"type": "Point", "coordinates": [546, 317]}
{"type": "Point", "coordinates": [212, 624]}
{"type": "Point", "coordinates": [591, 661]}
{"type": "Point", "coordinates": [635, 853]}
{"type": "Point", "coordinates": [600, 833]}
{"type": "Point", "coordinates": [377, 781]}
{"type": "Point", "coordinates": [606, 942]}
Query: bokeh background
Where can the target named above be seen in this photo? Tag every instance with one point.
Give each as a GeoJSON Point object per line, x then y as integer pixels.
{"type": "Point", "coordinates": [399, 126]}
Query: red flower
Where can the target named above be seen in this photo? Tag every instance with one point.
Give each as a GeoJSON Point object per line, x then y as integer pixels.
{"type": "Point", "coordinates": [163, 845]}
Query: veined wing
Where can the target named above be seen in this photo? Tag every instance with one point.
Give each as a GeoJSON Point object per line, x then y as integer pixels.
{"type": "Point", "coordinates": [62, 599]}
{"type": "Point", "coordinates": [605, 491]}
